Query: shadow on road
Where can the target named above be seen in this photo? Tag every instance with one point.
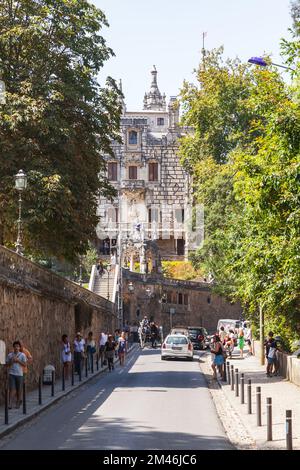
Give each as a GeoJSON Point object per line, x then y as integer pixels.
{"type": "Point", "coordinates": [144, 438]}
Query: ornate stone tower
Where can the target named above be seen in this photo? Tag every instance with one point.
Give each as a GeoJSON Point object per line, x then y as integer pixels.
{"type": "Point", "coordinates": [150, 183]}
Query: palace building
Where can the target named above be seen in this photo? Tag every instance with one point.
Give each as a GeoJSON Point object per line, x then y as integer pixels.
{"type": "Point", "coordinates": [152, 187]}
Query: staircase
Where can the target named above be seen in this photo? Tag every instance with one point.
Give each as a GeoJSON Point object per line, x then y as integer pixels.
{"type": "Point", "coordinates": [104, 285]}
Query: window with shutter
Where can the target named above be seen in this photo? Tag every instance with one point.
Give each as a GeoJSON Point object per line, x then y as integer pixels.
{"type": "Point", "coordinates": [132, 172]}
{"type": "Point", "coordinates": [153, 171]}
{"type": "Point", "coordinates": [112, 170]}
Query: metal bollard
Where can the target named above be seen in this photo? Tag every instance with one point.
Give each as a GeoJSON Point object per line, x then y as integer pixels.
{"type": "Point", "coordinates": [72, 374]}
{"type": "Point", "coordinates": [232, 377]}
{"type": "Point", "coordinates": [288, 429]}
{"type": "Point", "coordinates": [24, 398]}
{"type": "Point", "coordinates": [258, 406]}
{"type": "Point", "coordinates": [224, 372]}
{"type": "Point", "coordinates": [6, 407]}
{"type": "Point", "coordinates": [63, 382]}
{"type": "Point", "coordinates": [97, 361]}
{"type": "Point", "coordinates": [86, 367]}
{"type": "Point", "coordinates": [92, 364]}
{"type": "Point", "coordinates": [236, 382]}
{"type": "Point", "coordinates": [40, 390]}
{"type": "Point", "coordinates": [242, 389]}
{"type": "Point", "coordinates": [79, 371]}
{"type": "Point", "coordinates": [228, 372]}
{"type": "Point", "coordinates": [249, 397]}
{"type": "Point", "coordinates": [269, 419]}
{"type": "Point", "coordinates": [52, 384]}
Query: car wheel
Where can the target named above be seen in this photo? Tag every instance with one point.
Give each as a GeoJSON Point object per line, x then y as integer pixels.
{"type": "Point", "coordinates": [163, 358]}
{"type": "Point", "coordinates": [190, 359]}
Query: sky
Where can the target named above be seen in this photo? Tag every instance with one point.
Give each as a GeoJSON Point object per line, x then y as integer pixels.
{"type": "Point", "coordinates": [168, 34]}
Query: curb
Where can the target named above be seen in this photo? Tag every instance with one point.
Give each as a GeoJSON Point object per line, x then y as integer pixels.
{"type": "Point", "coordinates": [232, 424]}
{"type": "Point", "coordinates": [11, 427]}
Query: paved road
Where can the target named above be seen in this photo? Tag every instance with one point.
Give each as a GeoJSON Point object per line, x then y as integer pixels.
{"type": "Point", "coordinates": [148, 404]}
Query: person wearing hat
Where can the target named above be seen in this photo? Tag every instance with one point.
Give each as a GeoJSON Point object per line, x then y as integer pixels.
{"type": "Point", "coordinates": [79, 344]}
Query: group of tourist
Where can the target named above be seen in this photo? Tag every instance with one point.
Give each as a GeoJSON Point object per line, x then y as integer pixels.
{"type": "Point", "coordinates": [108, 346]}
{"type": "Point", "coordinates": [224, 342]}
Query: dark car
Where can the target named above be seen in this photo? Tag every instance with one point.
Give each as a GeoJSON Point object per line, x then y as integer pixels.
{"type": "Point", "coordinates": [198, 336]}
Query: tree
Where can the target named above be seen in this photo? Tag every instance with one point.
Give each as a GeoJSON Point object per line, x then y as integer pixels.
{"type": "Point", "coordinates": [249, 186]}
{"type": "Point", "coordinates": [57, 123]}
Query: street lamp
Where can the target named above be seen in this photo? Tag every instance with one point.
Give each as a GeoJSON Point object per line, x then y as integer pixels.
{"type": "Point", "coordinates": [148, 292]}
{"type": "Point", "coordinates": [80, 271]}
{"type": "Point", "coordinates": [172, 312]}
{"type": "Point", "coordinates": [262, 63]}
{"type": "Point", "coordinates": [108, 268]}
{"type": "Point", "coordinates": [20, 185]}
{"type": "Point", "coordinates": [2, 92]}
{"type": "Point", "coordinates": [130, 287]}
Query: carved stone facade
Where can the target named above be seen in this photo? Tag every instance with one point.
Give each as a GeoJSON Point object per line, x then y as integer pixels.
{"type": "Point", "coordinates": [151, 184]}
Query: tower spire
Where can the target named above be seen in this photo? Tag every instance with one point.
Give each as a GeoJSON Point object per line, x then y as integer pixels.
{"type": "Point", "coordinates": [154, 100]}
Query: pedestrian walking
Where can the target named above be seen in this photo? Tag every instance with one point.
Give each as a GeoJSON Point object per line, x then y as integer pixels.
{"type": "Point", "coordinates": [29, 359]}
{"type": "Point", "coordinates": [241, 342]}
{"type": "Point", "coordinates": [66, 355]}
{"type": "Point", "coordinates": [218, 358]}
{"type": "Point", "coordinates": [222, 334]}
{"type": "Point", "coordinates": [15, 361]}
{"type": "Point", "coordinates": [110, 347]}
{"type": "Point", "coordinates": [79, 345]}
{"type": "Point", "coordinates": [102, 342]}
{"type": "Point", "coordinates": [248, 337]}
{"type": "Point", "coordinates": [271, 347]}
{"type": "Point", "coordinates": [100, 268]}
{"type": "Point", "coordinates": [90, 349]}
{"type": "Point", "coordinates": [122, 348]}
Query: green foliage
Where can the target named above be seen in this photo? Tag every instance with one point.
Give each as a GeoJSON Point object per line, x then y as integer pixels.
{"type": "Point", "coordinates": [246, 172]}
{"type": "Point", "coordinates": [56, 124]}
{"type": "Point", "coordinates": [89, 259]}
{"type": "Point", "coordinates": [181, 270]}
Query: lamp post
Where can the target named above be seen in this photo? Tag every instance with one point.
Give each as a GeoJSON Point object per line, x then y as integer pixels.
{"type": "Point", "coordinates": [2, 92]}
{"type": "Point", "coordinates": [20, 185]}
{"type": "Point", "coordinates": [80, 271]}
{"type": "Point", "coordinates": [130, 287]}
{"type": "Point", "coordinates": [108, 268]}
{"type": "Point", "coordinates": [262, 63]}
{"type": "Point", "coordinates": [172, 311]}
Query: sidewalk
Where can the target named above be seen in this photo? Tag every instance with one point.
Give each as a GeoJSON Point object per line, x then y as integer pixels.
{"type": "Point", "coordinates": [16, 416]}
{"type": "Point", "coordinates": [285, 396]}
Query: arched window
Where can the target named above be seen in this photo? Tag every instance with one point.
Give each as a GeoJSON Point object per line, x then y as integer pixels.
{"type": "Point", "coordinates": [132, 137]}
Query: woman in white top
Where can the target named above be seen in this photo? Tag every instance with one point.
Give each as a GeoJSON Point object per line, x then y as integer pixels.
{"type": "Point", "coordinates": [66, 355]}
{"type": "Point", "coordinates": [78, 352]}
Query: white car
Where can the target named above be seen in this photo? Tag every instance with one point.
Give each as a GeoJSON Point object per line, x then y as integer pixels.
{"type": "Point", "coordinates": [177, 346]}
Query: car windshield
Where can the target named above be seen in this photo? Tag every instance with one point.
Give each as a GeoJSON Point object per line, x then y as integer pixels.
{"type": "Point", "coordinates": [195, 331]}
{"type": "Point", "coordinates": [176, 340]}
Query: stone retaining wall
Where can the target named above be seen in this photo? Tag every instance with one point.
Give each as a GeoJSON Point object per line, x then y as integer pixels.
{"type": "Point", "coordinates": [38, 306]}
{"type": "Point", "coordinates": [289, 366]}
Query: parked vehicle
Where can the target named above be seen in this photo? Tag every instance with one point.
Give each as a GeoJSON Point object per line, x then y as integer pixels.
{"type": "Point", "coordinates": [177, 345]}
{"type": "Point", "coordinates": [198, 336]}
{"type": "Point", "coordinates": [180, 330]}
{"type": "Point", "coordinates": [230, 324]}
